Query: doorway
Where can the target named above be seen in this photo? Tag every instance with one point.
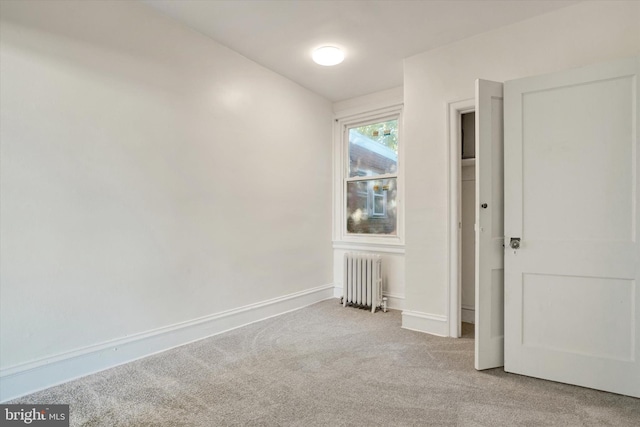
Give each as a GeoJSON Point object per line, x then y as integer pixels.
{"type": "Point", "coordinates": [488, 223]}
{"type": "Point", "coordinates": [467, 219]}
{"type": "Point", "coordinates": [461, 113]}
{"type": "Point", "coordinates": [546, 336]}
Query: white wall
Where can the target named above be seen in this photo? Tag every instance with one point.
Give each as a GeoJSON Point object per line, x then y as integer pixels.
{"type": "Point", "coordinates": [150, 176]}
{"type": "Point", "coordinates": [586, 33]}
{"type": "Point", "coordinates": [392, 254]}
{"type": "Point", "coordinates": [370, 102]}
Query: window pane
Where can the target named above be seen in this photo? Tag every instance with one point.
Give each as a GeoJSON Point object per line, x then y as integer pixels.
{"type": "Point", "coordinates": [371, 206]}
{"type": "Point", "coordinates": [373, 149]}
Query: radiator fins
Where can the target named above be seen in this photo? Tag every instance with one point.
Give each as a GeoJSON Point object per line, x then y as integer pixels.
{"type": "Point", "coordinates": [362, 281]}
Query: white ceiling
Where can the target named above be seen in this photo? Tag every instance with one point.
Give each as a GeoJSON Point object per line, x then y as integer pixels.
{"type": "Point", "coordinates": [376, 35]}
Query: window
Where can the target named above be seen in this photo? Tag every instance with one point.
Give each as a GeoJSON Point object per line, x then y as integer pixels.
{"type": "Point", "coordinates": [371, 183]}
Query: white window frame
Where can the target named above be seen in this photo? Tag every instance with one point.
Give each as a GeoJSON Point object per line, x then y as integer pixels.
{"type": "Point", "coordinates": [382, 196]}
{"type": "Point", "coordinates": [341, 177]}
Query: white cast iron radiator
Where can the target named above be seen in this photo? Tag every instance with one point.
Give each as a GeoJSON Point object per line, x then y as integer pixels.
{"type": "Point", "coordinates": [362, 286]}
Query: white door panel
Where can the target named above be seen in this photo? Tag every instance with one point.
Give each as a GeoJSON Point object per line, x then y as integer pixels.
{"type": "Point", "coordinates": [571, 195]}
{"type": "Point", "coordinates": [489, 303]}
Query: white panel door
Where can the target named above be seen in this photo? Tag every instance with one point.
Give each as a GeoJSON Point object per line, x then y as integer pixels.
{"type": "Point", "coordinates": [571, 195]}
{"type": "Point", "coordinates": [489, 291]}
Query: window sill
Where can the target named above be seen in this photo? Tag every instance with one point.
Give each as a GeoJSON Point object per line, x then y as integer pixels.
{"type": "Point", "coordinates": [388, 245]}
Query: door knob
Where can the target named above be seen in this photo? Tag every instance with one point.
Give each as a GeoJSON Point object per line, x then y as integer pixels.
{"type": "Point", "coordinates": [514, 243]}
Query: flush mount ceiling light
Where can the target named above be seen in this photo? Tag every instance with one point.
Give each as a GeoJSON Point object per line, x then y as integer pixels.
{"type": "Point", "coordinates": [328, 55]}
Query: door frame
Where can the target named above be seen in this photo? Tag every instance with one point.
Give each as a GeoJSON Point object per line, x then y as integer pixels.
{"type": "Point", "coordinates": [454, 288]}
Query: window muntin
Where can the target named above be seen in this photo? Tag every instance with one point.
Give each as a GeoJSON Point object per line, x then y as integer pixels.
{"type": "Point", "coordinates": [371, 183]}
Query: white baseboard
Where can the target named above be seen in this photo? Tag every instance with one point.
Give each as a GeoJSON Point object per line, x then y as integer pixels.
{"type": "Point", "coordinates": [433, 324]}
{"type": "Point", "coordinates": [468, 314]}
{"type": "Point", "coordinates": [30, 377]}
{"type": "Point", "coordinates": [394, 302]}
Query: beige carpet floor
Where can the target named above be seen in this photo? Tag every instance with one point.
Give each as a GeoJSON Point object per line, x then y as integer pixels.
{"type": "Point", "coordinates": [326, 365]}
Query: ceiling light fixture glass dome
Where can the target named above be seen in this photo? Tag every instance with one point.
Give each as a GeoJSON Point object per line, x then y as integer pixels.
{"type": "Point", "coordinates": [328, 55]}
